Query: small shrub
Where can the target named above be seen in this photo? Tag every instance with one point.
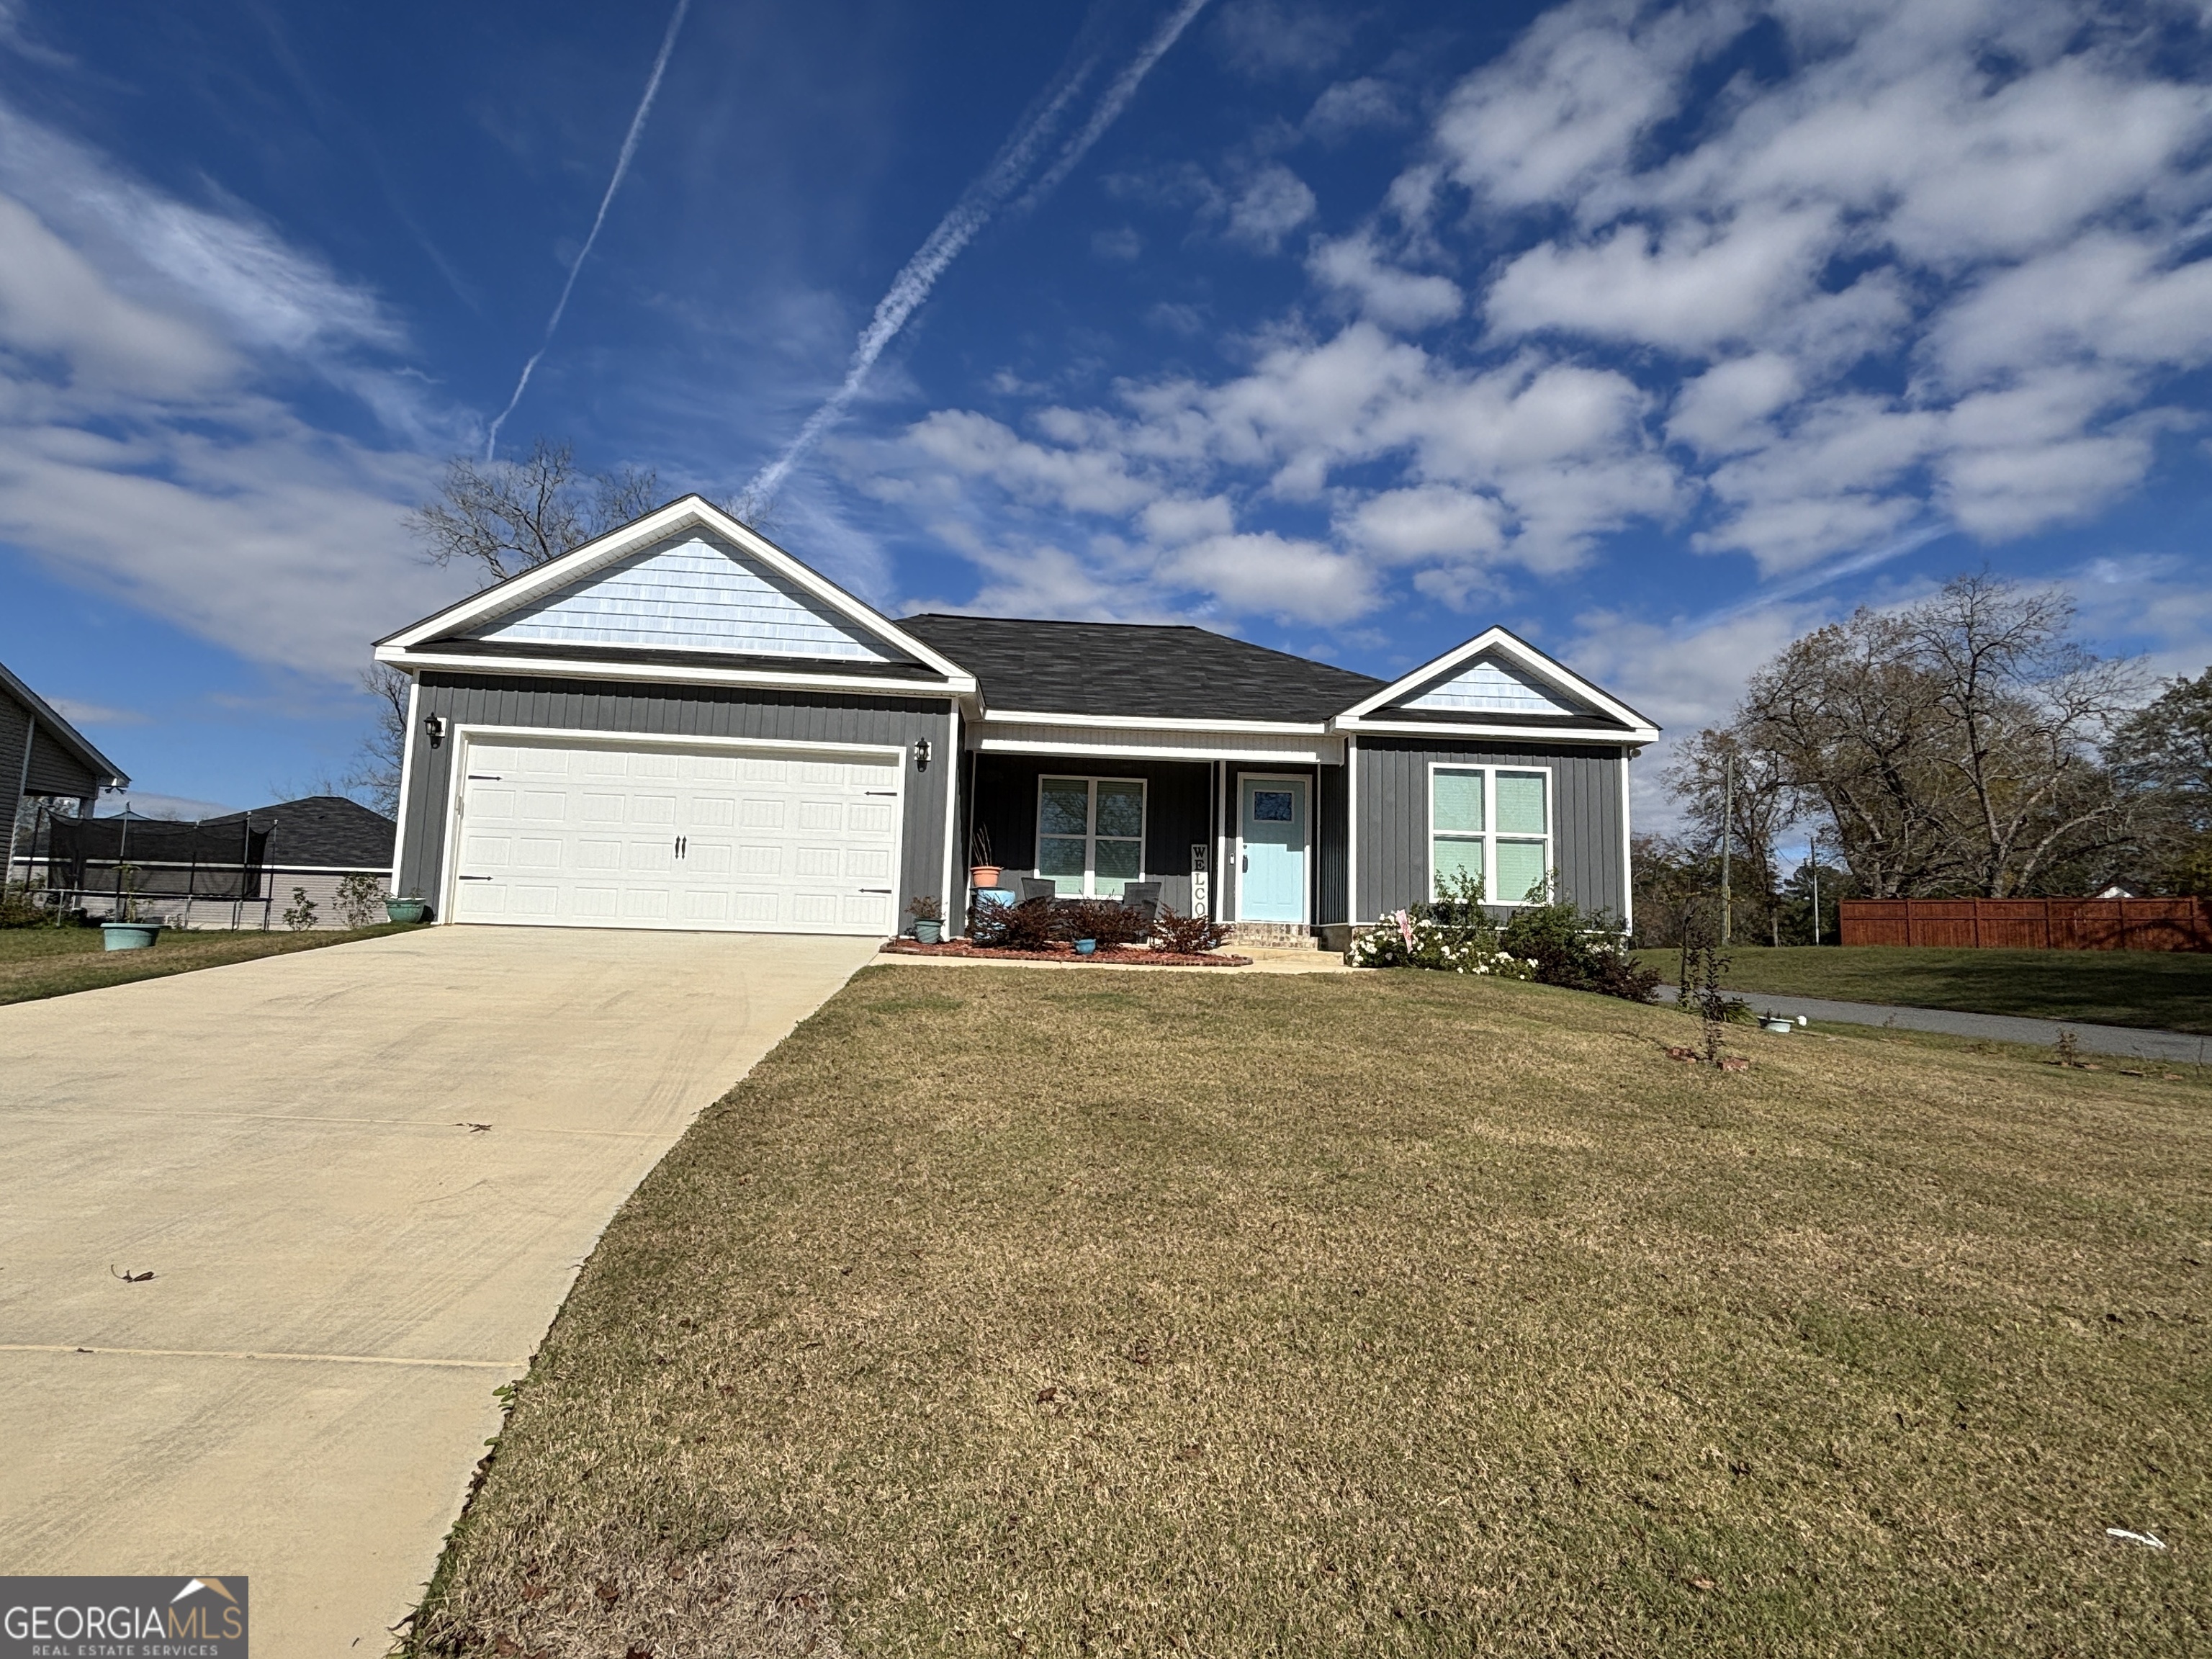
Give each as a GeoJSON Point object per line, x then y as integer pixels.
{"type": "Point", "coordinates": [1188, 936]}
{"type": "Point", "coordinates": [926, 908]}
{"type": "Point", "coordinates": [17, 910]}
{"type": "Point", "coordinates": [1578, 951]}
{"type": "Point", "coordinates": [1028, 925]}
{"type": "Point", "coordinates": [360, 901]}
{"type": "Point", "coordinates": [1107, 920]}
{"type": "Point", "coordinates": [300, 916]}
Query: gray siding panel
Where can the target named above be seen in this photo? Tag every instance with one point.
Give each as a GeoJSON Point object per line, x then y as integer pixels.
{"type": "Point", "coordinates": [648, 711]}
{"type": "Point", "coordinates": [56, 771]}
{"type": "Point", "coordinates": [1588, 837]}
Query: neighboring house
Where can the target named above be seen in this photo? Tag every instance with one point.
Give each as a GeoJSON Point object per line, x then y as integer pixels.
{"type": "Point", "coordinates": [679, 725]}
{"type": "Point", "coordinates": [44, 760]}
{"type": "Point", "coordinates": [238, 870]}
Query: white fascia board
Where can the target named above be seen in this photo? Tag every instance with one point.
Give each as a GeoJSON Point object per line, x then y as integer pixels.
{"type": "Point", "coordinates": [1639, 734]}
{"type": "Point", "coordinates": [613, 668]}
{"type": "Point", "coordinates": [1127, 723]}
{"type": "Point", "coordinates": [618, 543]}
{"type": "Point", "coordinates": [1558, 675]}
{"type": "Point", "coordinates": [1321, 751]}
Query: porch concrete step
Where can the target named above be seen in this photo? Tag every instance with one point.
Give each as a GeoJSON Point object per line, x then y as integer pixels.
{"type": "Point", "coordinates": [1273, 936]}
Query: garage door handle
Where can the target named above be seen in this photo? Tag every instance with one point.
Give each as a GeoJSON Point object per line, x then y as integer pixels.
{"type": "Point", "coordinates": [873, 889]}
{"type": "Point", "coordinates": [881, 792]}
{"type": "Point", "coordinates": [476, 877]}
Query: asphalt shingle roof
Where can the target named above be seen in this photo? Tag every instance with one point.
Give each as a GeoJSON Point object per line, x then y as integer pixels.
{"type": "Point", "coordinates": [322, 832]}
{"type": "Point", "coordinates": [1138, 671]}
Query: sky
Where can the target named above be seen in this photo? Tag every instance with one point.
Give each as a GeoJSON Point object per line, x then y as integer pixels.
{"type": "Point", "coordinates": [1658, 334]}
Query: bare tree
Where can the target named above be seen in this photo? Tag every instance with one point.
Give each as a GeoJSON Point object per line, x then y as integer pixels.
{"type": "Point", "coordinates": [507, 517]}
{"type": "Point", "coordinates": [375, 773]}
{"type": "Point", "coordinates": [2163, 755]}
{"type": "Point", "coordinates": [1718, 774]}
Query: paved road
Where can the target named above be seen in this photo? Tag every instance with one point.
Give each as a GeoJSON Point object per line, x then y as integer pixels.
{"type": "Point", "coordinates": [2123, 1040]}
{"type": "Point", "coordinates": [344, 1270]}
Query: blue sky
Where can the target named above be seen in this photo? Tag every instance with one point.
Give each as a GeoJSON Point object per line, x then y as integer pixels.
{"type": "Point", "coordinates": [1656, 333]}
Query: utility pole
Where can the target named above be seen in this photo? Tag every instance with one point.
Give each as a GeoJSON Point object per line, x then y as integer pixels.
{"type": "Point", "coordinates": [1727, 829]}
{"type": "Point", "coordinates": [1813, 851]}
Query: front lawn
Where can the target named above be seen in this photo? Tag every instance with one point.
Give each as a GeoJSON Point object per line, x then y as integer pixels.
{"type": "Point", "coordinates": [51, 961]}
{"type": "Point", "coordinates": [1007, 1313]}
{"type": "Point", "coordinates": [2165, 990]}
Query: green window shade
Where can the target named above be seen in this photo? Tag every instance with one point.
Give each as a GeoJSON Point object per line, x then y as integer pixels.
{"type": "Point", "coordinates": [1064, 807]}
{"type": "Point", "coordinates": [1060, 858]}
{"type": "Point", "coordinates": [1448, 859]}
{"type": "Point", "coordinates": [1458, 803]}
{"type": "Point", "coordinates": [1520, 806]}
{"type": "Point", "coordinates": [1120, 809]}
{"type": "Point", "coordinates": [1118, 861]}
{"type": "Point", "coordinates": [1520, 867]}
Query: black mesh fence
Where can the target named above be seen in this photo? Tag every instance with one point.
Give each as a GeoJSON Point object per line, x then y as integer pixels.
{"type": "Point", "coordinates": [152, 858]}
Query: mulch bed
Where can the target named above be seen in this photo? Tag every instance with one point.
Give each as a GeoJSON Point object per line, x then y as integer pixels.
{"type": "Point", "coordinates": [1121, 958]}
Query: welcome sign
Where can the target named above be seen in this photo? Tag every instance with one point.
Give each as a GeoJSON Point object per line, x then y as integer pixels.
{"type": "Point", "coordinates": [169, 1618]}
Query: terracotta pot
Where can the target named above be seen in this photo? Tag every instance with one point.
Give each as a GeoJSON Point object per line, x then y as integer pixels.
{"type": "Point", "coordinates": [986, 875]}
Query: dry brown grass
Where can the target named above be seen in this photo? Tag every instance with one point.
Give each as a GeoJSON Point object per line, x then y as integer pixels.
{"type": "Point", "coordinates": [53, 962]}
{"type": "Point", "coordinates": [998, 1314]}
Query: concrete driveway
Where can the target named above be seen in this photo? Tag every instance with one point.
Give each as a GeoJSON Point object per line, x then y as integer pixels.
{"type": "Point", "coordinates": [344, 1268]}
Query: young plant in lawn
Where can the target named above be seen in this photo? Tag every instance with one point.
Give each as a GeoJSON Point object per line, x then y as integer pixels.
{"type": "Point", "coordinates": [360, 901]}
{"type": "Point", "coordinates": [300, 916]}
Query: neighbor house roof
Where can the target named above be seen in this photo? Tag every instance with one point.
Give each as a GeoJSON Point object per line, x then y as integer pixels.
{"type": "Point", "coordinates": [1137, 671]}
{"type": "Point", "coordinates": [61, 730]}
{"type": "Point", "coordinates": [321, 832]}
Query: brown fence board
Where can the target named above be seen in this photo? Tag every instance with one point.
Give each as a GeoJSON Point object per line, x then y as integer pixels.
{"type": "Point", "coordinates": [2057, 924]}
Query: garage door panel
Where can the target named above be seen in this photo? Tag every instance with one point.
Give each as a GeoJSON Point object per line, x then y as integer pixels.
{"type": "Point", "coordinates": [604, 837]}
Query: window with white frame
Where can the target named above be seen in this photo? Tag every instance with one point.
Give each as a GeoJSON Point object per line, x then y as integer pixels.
{"type": "Point", "coordinates": [1493, 823]}
{"type": "Point", "coordinates": [1090, 834]}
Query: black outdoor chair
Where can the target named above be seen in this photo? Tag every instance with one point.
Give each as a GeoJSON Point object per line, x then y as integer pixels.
{"type": "Point", "coordinates": [1032, 888]}
{"type": "Point", "coordinates": [1143, 897]}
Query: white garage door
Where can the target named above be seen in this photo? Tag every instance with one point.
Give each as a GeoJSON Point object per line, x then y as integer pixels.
{"type": "Point", "coordinates": [594, 836]}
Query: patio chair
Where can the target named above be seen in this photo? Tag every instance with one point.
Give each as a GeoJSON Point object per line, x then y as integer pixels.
{"type": "Point", "coordinates": [1032, 887]}
{"type": "Point", "coordinates": [1143, 897]}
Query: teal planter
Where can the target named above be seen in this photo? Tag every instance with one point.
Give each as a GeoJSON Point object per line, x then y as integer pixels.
{"type": "Point", "coordinates": [129, 935]}
{"type": "Point", "coordinates": [928, 932]}
{"type": "Point", "coordinates": [405, 909]}
{"type": "Point", "coordinates": [1085, 947]}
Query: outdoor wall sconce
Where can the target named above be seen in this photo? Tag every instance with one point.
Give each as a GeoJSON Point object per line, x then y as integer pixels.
{"type": "Point", "coordinates": [922, 754]}
{"type": "Point", "coordinates": [436, 725]}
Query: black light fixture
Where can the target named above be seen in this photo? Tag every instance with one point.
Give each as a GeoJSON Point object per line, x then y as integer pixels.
{"type": "Point", "coordinates": [436, 725]}
{"type": "Point", "coordinates": [922, 754]}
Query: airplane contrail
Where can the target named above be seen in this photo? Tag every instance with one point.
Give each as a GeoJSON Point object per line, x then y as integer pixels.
{"type": "Point", "coordinates": [977, 203]}
{"type": "Point", "coordinates": [614, 184]}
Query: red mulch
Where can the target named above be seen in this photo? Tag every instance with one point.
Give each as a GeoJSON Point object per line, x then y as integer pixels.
{"type": "Point", "coordinates": [1138, 957]}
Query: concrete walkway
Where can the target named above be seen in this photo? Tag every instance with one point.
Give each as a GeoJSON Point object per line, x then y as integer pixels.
{"type": "Point", "coordinates": [2174, 1048]}
{"type": "Point", "coordinates": [344, 1265]}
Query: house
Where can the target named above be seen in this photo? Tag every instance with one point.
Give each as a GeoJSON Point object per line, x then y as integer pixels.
{"type": "Point", "coordinates": [679, 725]}
{"type": "Point", "coordinates": [45, 761]}
{"type": "Point", "coordinates": [239, 870]}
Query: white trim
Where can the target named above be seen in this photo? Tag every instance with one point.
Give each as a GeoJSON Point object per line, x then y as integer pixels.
{"type": "Point", "coordinates": [1090, 828]}
{"type": "Point", "coordinates": [1627, 856]}
{"type": "Point", "coordinates": [1609, 736]}
{"type": "Point", "coordinates": [1147, 723]}
{"type": "Point", "coordinates": [1305, 890]}
{"type": "Point", "coordinates": [1489, 834]}
{"type": "Point", "coordinates": [604, 668]}
{"type": "Point", "coordinates": [657, 525]}
{"type": "Point", "coordinates": [1216, 804]}
{"type": "Point", "coordinates": [1558, 675]}
{"type": "Point", "coordinates": [406, 778]}
{"type": "Point", "coordinates": [1352, 830]}
{"type": "Point", "coordinates": [562, 737]}
{"type": "Point", "coordinates": [951, 811]}
{"type": "Point", "coordinates": [1124, 743]}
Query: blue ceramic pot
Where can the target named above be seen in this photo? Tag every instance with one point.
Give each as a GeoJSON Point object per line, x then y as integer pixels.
{"type": "Point", "coordinates": [129, 935]}
{"type": "Point", "coordinates": [405, 909]}
{"type": "Point", "coordinates": [1085, 947]}
{"type": "Point", "coordinates": [928, 932]}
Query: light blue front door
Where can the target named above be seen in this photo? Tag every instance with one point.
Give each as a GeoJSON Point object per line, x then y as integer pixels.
{"type": "Point", "coordinates": [1272, 880]}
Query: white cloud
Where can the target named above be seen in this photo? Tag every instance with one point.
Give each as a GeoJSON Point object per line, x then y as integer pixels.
{"type": "Point", "coordinates": [1393, 296]}
{"type": "Point", "coordinates": [1406, 526]}
{"type": "Point", "coordinates": [1275, 202]}
{"type": "Point", "coordinates": [1355, 105]}
{"type": "Point", "coordinates": [1268, 575]}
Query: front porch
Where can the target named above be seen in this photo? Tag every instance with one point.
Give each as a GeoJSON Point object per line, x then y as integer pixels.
{"type": "Point", "coordinates": [1256, 842]}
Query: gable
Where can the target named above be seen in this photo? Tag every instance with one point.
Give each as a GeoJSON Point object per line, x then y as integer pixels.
{"type": "Point", "coordinates": [692, 592]}
{"type": "Point", "coordinates": [1488, 685]}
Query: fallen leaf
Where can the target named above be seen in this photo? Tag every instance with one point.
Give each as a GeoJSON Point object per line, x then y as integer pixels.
{"type": "Point", "coordinates": [1734, 1063]}
{"type": "Point", "coordinates": [606, 1591]}
{"type": "Point", "coordinates": [473, 1128]}
{"type": "Point", "coordinates": [1701, 1583]}
{"type": "Point", "coordinates": [131, 1278]}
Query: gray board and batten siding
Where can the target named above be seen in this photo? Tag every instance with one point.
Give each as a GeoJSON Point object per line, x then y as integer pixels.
{"type": "Point", "coordinates": [623, 707]}
{"type": "Point", "coordinates": [1589, 842]}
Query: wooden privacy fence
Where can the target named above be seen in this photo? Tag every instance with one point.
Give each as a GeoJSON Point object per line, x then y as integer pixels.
{"type": "Point", "coordinates": [2031, 924]}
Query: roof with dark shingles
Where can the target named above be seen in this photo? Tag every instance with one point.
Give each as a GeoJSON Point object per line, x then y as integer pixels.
{"type": "Point", "coordinates": [322, 832]}
{"type": "Point", "coordinates": [1138, 671]}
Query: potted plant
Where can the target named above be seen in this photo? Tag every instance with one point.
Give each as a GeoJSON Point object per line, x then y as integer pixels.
{"type": "Point", "coordinates": [981, 870]}
{"type": "Point", "coordinates": [409, 908]}
{"type": "Point", "coordinates": [928, 920]}
{"type": "Point", "coordinates": [126, 932]}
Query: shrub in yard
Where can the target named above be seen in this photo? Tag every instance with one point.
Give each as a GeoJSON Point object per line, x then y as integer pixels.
{"type": "Point", "coordinates": [1453, 935]}
{"type": "Point", "coordinates": [1188, 936]}
{"type": "Point", "coordinates": [301, 916]}
{"type": "Point", "coordinates": [360, 901]}
{"type": "Point", "coordinates": [1028, 925]}
{"type": "Point", "coordinates": [1582, 952]}
{"type": "Point", "coordinates": [16, 910]}
{"type": "Point", "coordinates": [1107, 920]}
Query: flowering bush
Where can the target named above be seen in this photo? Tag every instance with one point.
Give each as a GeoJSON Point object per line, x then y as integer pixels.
{"type": "Point", "coordinates": [1553, 944]}
{"type": "Point", "coordinates": [1406, 939]}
